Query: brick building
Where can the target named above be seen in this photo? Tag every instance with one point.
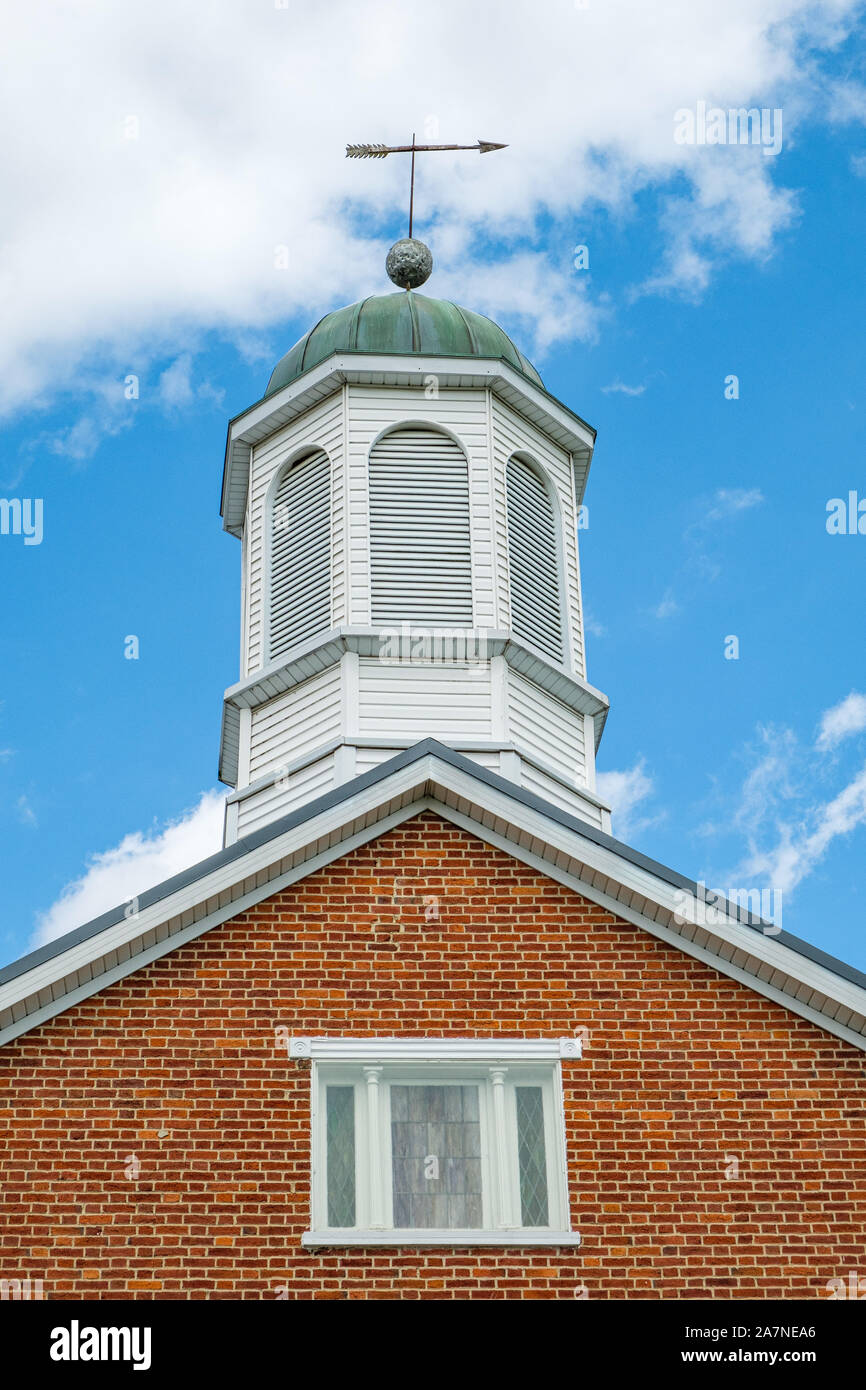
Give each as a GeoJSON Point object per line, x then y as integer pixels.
{"type": "Point", "coordinates": [423, 1028]}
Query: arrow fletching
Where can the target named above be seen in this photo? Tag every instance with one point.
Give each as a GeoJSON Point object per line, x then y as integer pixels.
{"type": "Point", "coordinates": [366, 151]}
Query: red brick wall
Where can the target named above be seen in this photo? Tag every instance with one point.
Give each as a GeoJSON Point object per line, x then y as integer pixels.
{"type": "Point", "coordinates": [684, 1071]}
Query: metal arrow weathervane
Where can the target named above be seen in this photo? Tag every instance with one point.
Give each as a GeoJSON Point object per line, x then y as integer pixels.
{"type": "Point", "coordinates": [380, 151]}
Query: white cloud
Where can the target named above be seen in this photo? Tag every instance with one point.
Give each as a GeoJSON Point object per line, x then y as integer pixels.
{"type": "Point", "coordinates": [700, 565]}
{"type": "Point", "coordinates": [730, 501]}
{"type": "Point", "coordinates": [733, 207]}
{"type": "Point", "coordinates": [81, 440]}
{"type": "Point", "coordinates": [788, 828]}
{"type": "Point", "coordinates": [800, 846]}
{"type": "Point", "coordinates": [140, 861]}
{"type": "Point", "coordinates": [624, 792]}
{"type": "Point", "coordinates": [176, 388]}
{"type": "Point", "coordinates": [667, 608]}
{"type": "Point", "coordinates": [623, 389]}
{"type": "Point", "coordinates": [155, 156]}
{"type": "Point", "coordinates": [843, 720]}
{"type": "Point", "coordinates": [25, 812]}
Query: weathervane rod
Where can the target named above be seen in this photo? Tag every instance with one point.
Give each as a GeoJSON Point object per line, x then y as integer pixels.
{"type": "Point", "coordinates": [412, 186]}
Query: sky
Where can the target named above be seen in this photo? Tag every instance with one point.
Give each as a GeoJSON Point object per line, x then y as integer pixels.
{"type": "Point", "coordinates": [178, 210]}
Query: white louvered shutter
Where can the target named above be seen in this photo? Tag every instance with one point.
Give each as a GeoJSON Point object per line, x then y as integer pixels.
{"type": "Point", "coordinates": [533, 561]}
{"type": "Point", "coordinates": [300, 568]}
{"type": "Point", "coordinates": [419, 530]}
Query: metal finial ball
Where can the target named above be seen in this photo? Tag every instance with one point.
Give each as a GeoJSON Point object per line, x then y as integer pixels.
{"type": "Point", "coordinates": [409, 263]}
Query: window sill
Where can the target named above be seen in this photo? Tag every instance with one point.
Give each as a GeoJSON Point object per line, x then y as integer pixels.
{"type": "Point", "coordinates": [315, 1239]}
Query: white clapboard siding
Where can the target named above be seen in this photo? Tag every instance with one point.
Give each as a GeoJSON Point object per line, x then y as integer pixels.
{"type": "Point", "coordinates": [420, 546]}
{"type": "Point", "coordinates": [299, 572]}
{"type": "Point", "coordinates": [535, 582]}
{"type": "Point", "coordinates": [545, 728]}
{"type": "Point", "coordinates": [551, 790]}
{"type": "Point", "coordinates": [295, 724]}
{"type": "Point", "coordinates": [365, 758]}
{"type": "Point", "coordinates": [269, 803]}
{"type": "Point", "coordinates": [414, 701]}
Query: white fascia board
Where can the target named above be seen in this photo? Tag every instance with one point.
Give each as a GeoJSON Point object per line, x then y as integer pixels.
{"type": "Point", "coordinates": [274, 412]}
{"type": "Point", "coordinates": [351, 1049]}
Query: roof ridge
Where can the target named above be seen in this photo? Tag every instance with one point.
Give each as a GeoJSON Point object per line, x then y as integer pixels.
{"type": "Point", "coordinates": [473, 341]}
{"type": "Point", "coordinates": [413, 320]}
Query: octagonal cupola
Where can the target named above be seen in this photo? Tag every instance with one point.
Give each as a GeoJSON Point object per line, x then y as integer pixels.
{"type": "Point", "coordinates": [409, 500]}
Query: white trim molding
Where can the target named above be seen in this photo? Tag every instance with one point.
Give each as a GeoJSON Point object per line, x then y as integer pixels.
{"type": "Point", "coordinates": [313, 1240]}
{"type": "Point", "coordinates": [434, 1049]}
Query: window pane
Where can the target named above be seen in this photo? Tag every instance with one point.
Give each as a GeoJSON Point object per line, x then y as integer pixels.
{"type": "Point", "coordinates": [341, 1155]}
{"type": "Point", "coordinates": [531, 1158]}
{"type": "Point", "coordinates": [436, 1148]}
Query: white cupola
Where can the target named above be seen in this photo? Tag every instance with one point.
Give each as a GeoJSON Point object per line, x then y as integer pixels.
{"type": "Point", "coordinates": [407, 495]}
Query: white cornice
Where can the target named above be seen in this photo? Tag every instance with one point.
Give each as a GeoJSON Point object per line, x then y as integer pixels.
{"type": "Point", "coordinates": [316, 654]}
{"type": "Point", "coordinates": [274, 412]}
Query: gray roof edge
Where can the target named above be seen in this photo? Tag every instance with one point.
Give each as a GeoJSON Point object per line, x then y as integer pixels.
{"type": "Point", "coordinates": [345, 790]}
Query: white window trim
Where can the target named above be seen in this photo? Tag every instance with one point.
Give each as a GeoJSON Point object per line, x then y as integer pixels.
{"type": "Point", "coordinates": [488, 1060]}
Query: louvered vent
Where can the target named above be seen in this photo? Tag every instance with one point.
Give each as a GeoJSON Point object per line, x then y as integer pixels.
{"type": "Point", "coordinates": [300, 567]}
{"type": "Point", "coordinates": [419, 530]}
{"type": "Point", "coordinates": [536, 612]}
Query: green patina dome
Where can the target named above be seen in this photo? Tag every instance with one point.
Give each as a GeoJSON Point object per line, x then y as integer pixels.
{"type": "Point", "coordinates": [405, 323]}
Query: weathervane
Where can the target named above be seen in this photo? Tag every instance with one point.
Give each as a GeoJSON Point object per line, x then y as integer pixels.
{"type": "Point", "coordinates": [409, 261]}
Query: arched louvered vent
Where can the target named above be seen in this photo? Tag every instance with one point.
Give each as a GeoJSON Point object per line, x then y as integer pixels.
{"type": "Point", "coordinates": [300, 559]}
{"type": "Point", "coordinates": [419, 530]}
{"type": "Point", "coordinates": [533, 561]}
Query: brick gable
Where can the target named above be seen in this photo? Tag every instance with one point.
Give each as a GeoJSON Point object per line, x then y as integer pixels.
{"type": "Point", "coordinates": [177, 1068]}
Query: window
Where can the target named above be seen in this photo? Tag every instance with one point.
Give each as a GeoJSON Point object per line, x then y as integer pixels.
{"type": "Point", "coordinates": [419, 530]}
{"type": "Point", "coordinates": [300, 554]}
{"type": "Point", "coordinates": [533, 560]}
{"type": "Point", "coordinates": [437, 1142]}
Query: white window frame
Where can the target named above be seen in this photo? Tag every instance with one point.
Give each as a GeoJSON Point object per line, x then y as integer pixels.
{"type": "Point", "coordinates": [372, 1066]}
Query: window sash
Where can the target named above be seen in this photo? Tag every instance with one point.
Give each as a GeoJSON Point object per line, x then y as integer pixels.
{"type": "Point", "coordinates": [500, 1174]}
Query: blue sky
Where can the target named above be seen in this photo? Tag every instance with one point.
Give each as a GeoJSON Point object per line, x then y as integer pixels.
{"type": "Point", "coordinates": [707, 515]}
